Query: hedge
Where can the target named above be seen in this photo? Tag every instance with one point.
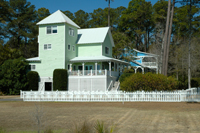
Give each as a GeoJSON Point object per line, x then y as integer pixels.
{"type": "Point", "coordinates": [60, 79]}
{"type": "Point", "coordinates": [126, 74]}
{"type": "Point", "coordinates": [33, 79]}
{"type": "Point", "coordinates": [148, 82]}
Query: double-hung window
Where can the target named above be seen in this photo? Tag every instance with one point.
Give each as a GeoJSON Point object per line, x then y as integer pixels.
{"type": "Point", "coordinates": [32, 67]}
{"type": "Point", "coordinates": [51, 29]}
{"type": "Point", "coordinates": [71, 31]}
{"type": "Point", "coordinates": [106, 50]}
{"type": "Point", "coordinates": [47, 46]}
{"type": "Point", "coordinates": [73, 48]}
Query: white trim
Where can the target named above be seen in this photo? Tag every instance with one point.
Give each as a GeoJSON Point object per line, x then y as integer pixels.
{"type": "Point", "coordinates": [65, 46]}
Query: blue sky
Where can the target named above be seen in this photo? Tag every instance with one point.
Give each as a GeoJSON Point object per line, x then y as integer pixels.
{"type": "Point", "coordinates": [75, 5]}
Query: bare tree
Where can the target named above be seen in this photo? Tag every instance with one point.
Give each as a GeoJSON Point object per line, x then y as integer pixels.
{"type": "Point", "coordinates": [38, 117]}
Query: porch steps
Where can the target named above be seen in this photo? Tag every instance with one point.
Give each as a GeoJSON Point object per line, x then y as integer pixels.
{"type": "Point", "coordinates": [115, 85]}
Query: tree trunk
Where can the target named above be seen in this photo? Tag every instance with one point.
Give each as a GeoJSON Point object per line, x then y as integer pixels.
{"type": "Point", "coordinates": [108, 13]}
{"type": "Point", "coordinates": [169, 38]}
{"type": "Point", "coordinates": [165, 39]}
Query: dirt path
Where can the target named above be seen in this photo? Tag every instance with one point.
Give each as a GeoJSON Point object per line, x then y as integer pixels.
{"type": "Point", "coordinates": [128, 118]}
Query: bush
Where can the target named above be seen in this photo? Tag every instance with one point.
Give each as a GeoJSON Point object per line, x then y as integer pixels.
{"type": "Point", "coordinates": [125, 74]}
{"type": "Point", "coordinates": [13, 76]}
{"type": "Point", "coordinates": [60, 79]}
{"type": "Point", "coordinates": [195, 82]}
{"type": "Point", "coordinates": [32, 78]}
{"type": "Point", "coordinates": [148, 82]}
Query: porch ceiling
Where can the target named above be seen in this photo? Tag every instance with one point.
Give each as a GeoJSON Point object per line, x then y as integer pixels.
{"type": "Point", "coordinates": [97, 59]}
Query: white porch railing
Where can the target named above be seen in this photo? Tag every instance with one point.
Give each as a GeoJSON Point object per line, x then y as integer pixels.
{"type": "Point", "coordinates": [149, 64]}
{"type": "Point", "coordinates": [93, 73]}
{"type": "Point", "coordinates": [118, 96]}
{"type": "Point", "coordinates": [88, 73]}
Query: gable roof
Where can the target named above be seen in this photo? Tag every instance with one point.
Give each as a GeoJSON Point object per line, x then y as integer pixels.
{"type": "Point", "coordinates": [57, 17]}
{"type": "Point", "coordinates": [94, 35]}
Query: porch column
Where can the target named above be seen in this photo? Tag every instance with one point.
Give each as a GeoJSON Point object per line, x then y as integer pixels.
{"type": "Point", "coordinates": [142, 70]}
{"type": "Point", "coordinates": [70, 67]}
{"type": "Point", "coordinates": [83, 68]}
{"type": "Point", "coordinates": [135, 70]}
{"type": "Point", "coordinates": [96, 68]}
{"type": "Point", "coordinates": [110, 67]}
{"type": "Point", "coordinates": [120, 67]}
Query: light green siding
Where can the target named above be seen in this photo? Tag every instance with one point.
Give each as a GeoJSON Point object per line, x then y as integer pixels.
{"type": "Point", "coordinates": [89, 50]}
{"type": "Point", "coordinates": [54, 58]}
{"type": "Point", "coordinates": [69, 54]}
{"type": "Point", "coordinates": [107, 43]}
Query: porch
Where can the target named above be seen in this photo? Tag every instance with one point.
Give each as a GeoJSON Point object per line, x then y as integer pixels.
{"type": "Point", "coordinates": [94, 73]}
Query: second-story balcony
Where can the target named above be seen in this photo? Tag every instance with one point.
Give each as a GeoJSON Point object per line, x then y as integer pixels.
{"type": "Point", "coordinates": [150, 64]}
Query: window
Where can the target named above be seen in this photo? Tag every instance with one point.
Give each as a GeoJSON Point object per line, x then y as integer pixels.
{"type": "Point", "coordinates": [32, 67]}
{"type": "Point", "coordinates": [68, 46]}
{"type": "Point", "coordinates": [106, 50]}
{"type": "Point", "coordinates": [68, 66]}
{"type": "Point", "coordinates": [74, 68]}
{"type": "Point", "coordinates": [51, 29]}
{"type": "Point", "coordinates": [71, 31]}
{"type": "Point", "coordinates": [47, 46]}
{"type": "Point", "coordinates": [73, 48]}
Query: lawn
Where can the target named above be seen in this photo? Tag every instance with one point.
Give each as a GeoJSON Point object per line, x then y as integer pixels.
{"type": "Point", "coordinates": [128, 117]}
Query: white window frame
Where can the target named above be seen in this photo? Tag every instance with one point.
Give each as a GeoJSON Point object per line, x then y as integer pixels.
{"type": "Point", "coordinates": [32, 67]}
{"type": "Point", "coordinates": [47, 47]}
{"type": "Point", "coordinates": [108, 50]}
{"type": "Point", "coordinates": [71, 31]}
{"type": "Point", "coordinates": [73, 48]}
{"type": "Point", "coordinates": [69, 48]}
{"type": "Point", "coordinates": [52, 29]}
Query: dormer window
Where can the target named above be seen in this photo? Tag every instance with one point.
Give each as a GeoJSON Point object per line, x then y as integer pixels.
{"type": "Point", "coordinates": [71, 31]}
{"type": "Point", "coordinates": [51, 29]}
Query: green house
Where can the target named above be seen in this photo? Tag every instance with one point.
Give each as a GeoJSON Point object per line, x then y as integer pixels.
{"type": "Point", "coordinates": [85, 53]}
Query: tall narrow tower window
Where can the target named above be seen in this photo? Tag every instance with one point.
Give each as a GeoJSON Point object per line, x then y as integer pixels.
{"type": "Point", "coordinates": [71, 31]}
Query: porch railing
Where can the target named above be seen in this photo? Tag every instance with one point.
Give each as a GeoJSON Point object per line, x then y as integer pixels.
{"type": "Point", "coordinates": [88, 73]}
{"type": "Point", "coordinates": [149, 63]}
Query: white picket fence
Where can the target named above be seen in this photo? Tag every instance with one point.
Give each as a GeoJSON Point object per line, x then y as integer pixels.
{"type": "Point", "coordinates": [112, 96]}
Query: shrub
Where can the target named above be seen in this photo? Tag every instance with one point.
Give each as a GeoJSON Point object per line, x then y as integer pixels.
{"type": "Point", "coordinates": [60, 79]}
{"type": "Point", "coordinates": [33, 78]}
{"type": "Point", "coordinates": [195, 82]}
{"type": "Point", "coordinates": [148, 82]}
{"type": "Point", "coordinates": [13, 76]}
{"type": "Point", "coordinates": [125, 74]}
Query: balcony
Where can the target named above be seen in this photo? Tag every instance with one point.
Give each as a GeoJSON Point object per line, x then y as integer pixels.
{"type": "Point", "coordinates": [150, 64]}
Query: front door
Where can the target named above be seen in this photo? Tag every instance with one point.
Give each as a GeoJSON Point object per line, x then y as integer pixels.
{"type": "Point", "coordinates": [48, 86]}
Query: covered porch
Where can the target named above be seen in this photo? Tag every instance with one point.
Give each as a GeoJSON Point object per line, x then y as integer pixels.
{"type": "Point", "coordinates": [96, 66]}
{"type": "Point", "coordinates": [94, 73]}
